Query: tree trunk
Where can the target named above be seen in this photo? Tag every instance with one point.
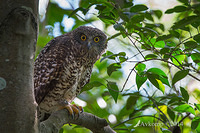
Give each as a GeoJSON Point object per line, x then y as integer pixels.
{"type": "Point", "coordinates": [18, 36]}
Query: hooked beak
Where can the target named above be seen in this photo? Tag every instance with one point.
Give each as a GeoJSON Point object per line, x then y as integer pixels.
{"type": "Point", "coordinates": [89, 45]}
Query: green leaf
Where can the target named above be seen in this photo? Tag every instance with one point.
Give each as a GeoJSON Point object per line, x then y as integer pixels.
{"type": "Point", "coordinates": [174, 33]}
{"type": "Point", "coordinates": [171, 44]}
{"type": "Point", "coordinates": [140, 79]}
{"type": "Point", "coordinates": [161, 26]}
{"type": "Point", "coordinates": [179, 75]}
{"type": "Point", "coordinates": [196, 24]}
{"type": "Point", "coordinates": [197, 38]}
{"type": "Point", "coordinates": [131, 101]}
{"type": "Point", "coordinates": [176, 9]}
{"type": "Point", "coordinates": [185, 28]}
{"type": "Point", "coordinates": [195, 58]}
{"type": "Point", "coordinates": [113, 90]}
{"type": "Point", "coordinates": [185, 21]}
{"type": "Point", "coordinates": [156, 82]}
{"type": "Point", "coordinates": [149, 30]}
{"type": "Point", "coordinates": [43, 40]}
{"type": "Point", "coordinates": [107, 19]}
{"type": "Point", "coordinates": [121, 54]}
{"type": "Point", "coordinates": [198, 127]}
{"type": "Point", "coordinates": [113, 67]}
{"type": "Point", "coordinates": [123, 16]}
{"type": "Point", "coordinates": [112, 56]}
{"type": "Point", "coordinates": [171, 113]}
{"type": "Point", "coordinates": [158, 13]}
{"type": "Point", "coordinates": [197, 106]}
{"type": "Point", "coordinates": [109, 55]}
{"type": "Point", "coordinates": [184, 1]}
{"type": "Point", "coordinates": [140, 67]}
{"type": "Point", "coordinates": [128, 4]}
{"type": "Point", "coordinates": [178, 57]}
{"type": "Point", "coordinates": [150, 56]}
{"type": "Point", "coordinates": [195, 122]}
{"type": "Point", "coordinates": [54, 14]}
{"type": "Point", "coordinates": [164, 50]}
{"type": "Point", "coordinates": [159, 44]}
{"type": "Point", "coordinates": [157, 71]}
{"type": "Point", "coordinates": [91, 85]}
{"type": "Point", "coordinates": [62, 130]}
{"type": "Point", "coordinates": [184, 108]}
{"type": "Point", "coordinates": [79, 9]}
{"type": "Point", "coordinates": [185, 94]}
{"type": "Point", "coordinates": [148, 16]}
{"type": "Point", "coordinates": [100, 7]}
{"type": "Point", "coordinates": [138, 8]}
{"type": "Point", "coordinates": [190, 45]}
{"type": "Point", "coordinates": [137, 18]}
{"type": "Point", "coordinates": [157, 77]}
{"type": "Point", "coordinates": [160, 75]}
{"type": "Point", "coordinates": [119, 27]}
{"type": "Point", "coordinates": [114, 36]}
{"type": "Point", "coordinates": [161, 86]}
{"type": "Point", "coordinates": [164, 37]}
{"type": "Point", "coordinates": [175, 100]}
{"type": "Point", "coordinates": [122, 59]}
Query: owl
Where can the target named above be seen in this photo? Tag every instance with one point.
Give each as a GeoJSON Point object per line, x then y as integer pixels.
{"type": "Point", "coordinates": [64, 66]}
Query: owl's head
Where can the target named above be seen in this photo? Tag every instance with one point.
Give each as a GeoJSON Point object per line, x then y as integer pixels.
{"type": "Point", "coordinates": [92, 41]}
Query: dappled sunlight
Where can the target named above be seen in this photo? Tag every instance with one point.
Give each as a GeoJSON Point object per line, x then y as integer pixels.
{"type": "Point", "coordinates": [112, 119]}
{"type": "Point", "coordinates": [80, 102]}
{"type": "Point", "coordinates": [102, 104]}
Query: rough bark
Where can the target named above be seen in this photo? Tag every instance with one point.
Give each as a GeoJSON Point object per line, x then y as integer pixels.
{"type": "Point", "coordinates": [18, 35]}
{"type": "Point", "coordinates": [87, 120]}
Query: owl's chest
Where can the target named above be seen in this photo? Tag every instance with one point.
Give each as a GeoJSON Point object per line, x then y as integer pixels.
{"type": "Point", "coordinates": [71, 80]}
{"type": "Point", "coordinates": [73, 77]}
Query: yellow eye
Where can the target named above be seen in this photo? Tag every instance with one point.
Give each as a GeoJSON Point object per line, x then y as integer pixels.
{"type": "Point", "coordinates": [83, 37]}
{"type": "Point", "coordinates": [96, 39]}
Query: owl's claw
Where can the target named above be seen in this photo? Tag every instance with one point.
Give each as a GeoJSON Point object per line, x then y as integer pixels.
{"type": "Point", "coordinates": [80, 108]}
{"type": "Point", "coordinates": [73, 110]}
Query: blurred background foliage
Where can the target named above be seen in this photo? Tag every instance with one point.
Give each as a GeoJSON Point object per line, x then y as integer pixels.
{"type": "Point", "coordinates": [148, 79]}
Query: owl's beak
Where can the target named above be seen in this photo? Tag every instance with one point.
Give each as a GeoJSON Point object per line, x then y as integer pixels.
{"type": "Point", "coordinates": [89, 45]}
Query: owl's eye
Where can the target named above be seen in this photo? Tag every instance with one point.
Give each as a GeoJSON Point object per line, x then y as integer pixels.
{"type": "Point", "coordinates": [96, 39]}
{"type": "Point", "coordinates": [83, 37]}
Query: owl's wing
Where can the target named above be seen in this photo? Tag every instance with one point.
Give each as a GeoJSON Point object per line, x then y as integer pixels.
{"type": "Point", "coordinates": [47, 69]}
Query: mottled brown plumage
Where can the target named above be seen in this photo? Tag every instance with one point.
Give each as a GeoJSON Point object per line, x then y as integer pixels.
{"type": "Point", "coordinates": [64, 66]}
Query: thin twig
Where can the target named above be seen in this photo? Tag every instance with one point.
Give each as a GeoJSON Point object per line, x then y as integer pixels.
{"type": "Point", "coordinates": [183, 119]}
{"type": "Point", "coordinates": [134, 45]}
{"type": "Point", "coordinates": [133, 69]}
{"type": "Point", "coordinates": [179, 45]}
{"type": "Point", "coordinates": [157, 106]}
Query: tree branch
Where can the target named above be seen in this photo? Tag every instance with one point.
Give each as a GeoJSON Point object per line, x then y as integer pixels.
{"type": "Point", "coordinates": [54, 123]}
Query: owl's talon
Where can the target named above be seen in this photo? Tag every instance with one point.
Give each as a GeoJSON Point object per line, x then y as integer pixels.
{"type": "Point", "coordinates": [70, 110]}
{"type": "Point", "coordinates": [80, 108]}
{"type": "Point", "coordinates": [74, 110]}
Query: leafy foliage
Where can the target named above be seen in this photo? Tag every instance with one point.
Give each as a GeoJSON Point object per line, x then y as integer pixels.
{"type": "Point", "coordinates": [163, 59]}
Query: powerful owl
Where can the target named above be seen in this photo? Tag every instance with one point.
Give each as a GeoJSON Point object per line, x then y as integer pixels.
{"type": "Point", "coordinates": [64, 66]}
